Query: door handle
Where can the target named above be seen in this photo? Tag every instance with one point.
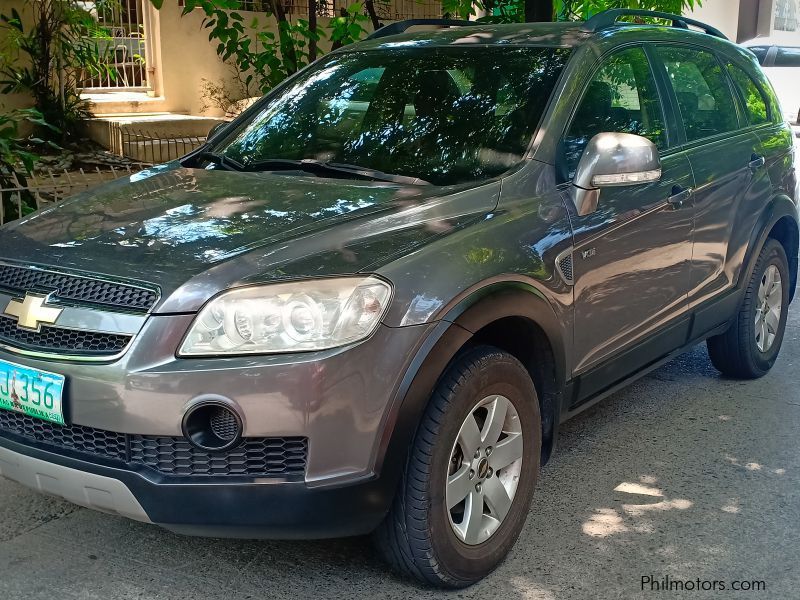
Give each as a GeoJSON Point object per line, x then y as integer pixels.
{"type": "Point", "coordinates": [756, 162]}
{"type": "Point", "coordinates": [679, 196]}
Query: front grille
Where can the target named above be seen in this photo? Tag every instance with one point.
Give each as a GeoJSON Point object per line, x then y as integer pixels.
{"type": "Point", "coordinates": [171, 456]}
{"type": "Point", "coordinates": [57, 339]}
{"type": "Point", "coordinates": [255, 456]}
{"type": "Point", "coordinates": [77, 289]}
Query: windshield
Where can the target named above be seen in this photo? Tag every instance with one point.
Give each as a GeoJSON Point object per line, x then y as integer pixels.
{"type": "Point", "coordinates": [444, 115]}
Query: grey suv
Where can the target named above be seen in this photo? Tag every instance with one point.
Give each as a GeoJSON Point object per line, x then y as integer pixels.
{"type": "Point", "coordinates": [367, 304]}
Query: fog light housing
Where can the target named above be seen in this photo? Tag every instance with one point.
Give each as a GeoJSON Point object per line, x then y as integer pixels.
{"type": "Point", "coordinates": [212, 426]}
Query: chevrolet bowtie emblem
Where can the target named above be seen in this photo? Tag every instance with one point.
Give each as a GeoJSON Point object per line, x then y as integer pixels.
{"type": "Point", "coordinates": [32, 312]}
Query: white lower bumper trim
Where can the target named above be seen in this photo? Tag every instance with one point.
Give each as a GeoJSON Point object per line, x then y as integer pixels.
{"type": "Point", "coordinates": [79, 487]}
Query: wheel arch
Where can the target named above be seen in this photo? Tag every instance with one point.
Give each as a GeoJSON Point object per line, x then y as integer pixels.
{"type": "Point", "coordinates": [785, 231]}
{"type": "Point", "coordinates": [778, 221]}
{"type": "Point", "coordinates": [504, 315]}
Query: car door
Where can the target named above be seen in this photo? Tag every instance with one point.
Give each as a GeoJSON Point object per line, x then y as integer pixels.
{"type": "Point", "coordinates": [728, 164]}
{"type": "Point", "coordinates": [632, 255]}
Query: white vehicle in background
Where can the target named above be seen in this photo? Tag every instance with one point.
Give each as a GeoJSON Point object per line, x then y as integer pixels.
{"type": "Point", "coordinates": [779, 58]}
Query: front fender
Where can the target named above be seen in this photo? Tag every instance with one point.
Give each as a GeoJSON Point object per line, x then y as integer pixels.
{"type": "Point", "coordinates": [454, 331]}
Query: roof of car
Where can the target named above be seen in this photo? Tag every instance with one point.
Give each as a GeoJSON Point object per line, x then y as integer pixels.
{"type": "Point", "coordinates": [553, 35]}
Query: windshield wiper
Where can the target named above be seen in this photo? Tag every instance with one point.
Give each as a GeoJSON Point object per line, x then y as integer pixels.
{"type": "Point", "coordinates": [318, 167]}
{"type": "Point", "coordinates": [220, 160]}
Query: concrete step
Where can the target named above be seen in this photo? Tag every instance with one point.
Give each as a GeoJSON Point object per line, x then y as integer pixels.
{"type": "Point", "coordinates": [123, 102]}
{"type": "Point", "coordinates": [150, 137]}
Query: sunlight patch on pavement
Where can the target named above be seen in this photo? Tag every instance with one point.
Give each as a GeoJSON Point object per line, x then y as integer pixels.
{"type": "Point", "coordinates": [636, 488]}
{"type": "Point", "coordinates": [603, 523]}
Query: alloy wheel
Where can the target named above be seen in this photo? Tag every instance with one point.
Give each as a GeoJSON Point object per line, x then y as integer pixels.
{"type": "Point", "coordinates": [484, 470]}
{"type": "Point", "coordinates": [768, 309]}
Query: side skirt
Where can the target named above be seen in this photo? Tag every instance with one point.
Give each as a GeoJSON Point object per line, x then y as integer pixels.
{"type": "Point", "coordinates": [588, 389]}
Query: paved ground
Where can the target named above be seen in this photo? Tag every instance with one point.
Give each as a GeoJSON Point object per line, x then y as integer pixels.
{"type": "Point", "coordinates": [684, 474]}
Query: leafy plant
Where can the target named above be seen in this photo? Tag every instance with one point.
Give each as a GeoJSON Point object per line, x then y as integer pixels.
{"type": "Point", "coordinates": [264, 56]}
{"type": "Point", "coordinates": [263, 59]}
{"type": "Point", "coordinates": [513, 11]}
{"type": "Point", "coordinates": [347, 27]}
{"type": "Point", "coordinates": [17, 159]}
{"type": "Point", "coordinates": [49, 59]}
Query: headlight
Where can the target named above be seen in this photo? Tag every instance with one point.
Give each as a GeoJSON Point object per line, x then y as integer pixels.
{"type": "Point", "coordinates": [288, 317]}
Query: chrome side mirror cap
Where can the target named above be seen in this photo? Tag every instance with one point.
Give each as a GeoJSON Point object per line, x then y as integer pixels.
{"type": "Point", "coordinates": [611, 160]}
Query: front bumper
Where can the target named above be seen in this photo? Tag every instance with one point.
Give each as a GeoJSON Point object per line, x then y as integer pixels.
{"type": "Point", "coordinates": [268, 509]}
{"type": "Point", "coordinates": [338, 399]}
{"type": "Point", "coordinates": [121, 415]}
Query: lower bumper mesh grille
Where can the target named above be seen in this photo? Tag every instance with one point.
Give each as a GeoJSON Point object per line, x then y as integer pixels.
{"type": "Point", "coordinates": [173, 456]}
{"type": "Point", "coordinates": [75, 437]}
{"type": "Point", "coordinates": [259, 456]}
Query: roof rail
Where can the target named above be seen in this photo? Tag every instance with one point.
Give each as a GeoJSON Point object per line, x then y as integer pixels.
{"type": "Point", "coordinates": [401, 26]}
{"type": "Point", "coordinates": [608, 18]}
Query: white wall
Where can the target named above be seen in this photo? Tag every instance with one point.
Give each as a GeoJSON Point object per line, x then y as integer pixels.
{"type": "Point", "coordinates": [722, 14]}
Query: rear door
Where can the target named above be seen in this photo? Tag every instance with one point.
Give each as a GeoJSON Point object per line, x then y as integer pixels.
{"type": "Point", "coordinates": [728, 165]}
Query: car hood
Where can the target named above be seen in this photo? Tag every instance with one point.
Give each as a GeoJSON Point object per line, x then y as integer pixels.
{"type": "Point", "coordinates": [194, 232]}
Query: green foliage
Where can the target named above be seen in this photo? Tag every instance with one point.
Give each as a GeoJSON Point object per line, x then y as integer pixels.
{"type": "Point", "coordinates": [16, 157]}
{"type": "Point", "coordinates": [49, 58]}
{"type": "Point", "coordinates": [263, 59]}
{"type": "Point", "coordinates": [567, 10]}
{"type": "Point", "coordinates": [513, 11]}
{"type": "Point", "coordinates": [347, 27]}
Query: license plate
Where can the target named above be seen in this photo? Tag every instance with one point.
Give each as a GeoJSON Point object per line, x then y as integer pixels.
{"type": "Point", "coordinates": [31, 392]}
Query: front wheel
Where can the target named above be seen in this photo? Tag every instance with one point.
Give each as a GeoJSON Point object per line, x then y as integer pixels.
{"type": "Point", "coordinates": [470, 474]}
{"type": "Point", "coordinates": [748, 349]}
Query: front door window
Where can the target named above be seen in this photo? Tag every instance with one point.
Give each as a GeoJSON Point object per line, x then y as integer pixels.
{"type": "Point", "coordinates": [622, 97]}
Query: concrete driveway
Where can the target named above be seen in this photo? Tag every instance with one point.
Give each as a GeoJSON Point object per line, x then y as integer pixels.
{"type": "Point", "coordinates": [684, 475]}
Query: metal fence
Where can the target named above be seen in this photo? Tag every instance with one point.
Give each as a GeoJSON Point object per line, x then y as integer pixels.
{"type": "Point", "coordinates": [151, 148]}
{"type": "Point", "coordinates": [20, 194]}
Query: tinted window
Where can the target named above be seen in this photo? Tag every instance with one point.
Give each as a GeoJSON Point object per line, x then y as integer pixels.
{"type": "Point", "coordinates": [704, 96]}
{"type": "Point", "coordinates": [755, 102]}
{"type": "Point", "coordinates": [622, 97]}
{"type": "Point", "coordinates": [760, 52]}
{"type": "Point", "coordinates": [445, 115]}
{"type": "Point", "coordinates": [787, 57]}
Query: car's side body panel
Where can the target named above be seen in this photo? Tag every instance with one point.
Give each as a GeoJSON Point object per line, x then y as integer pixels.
{"type": "Point", "coordinates": [728, 197]}
{"type": "Point", "coordinates": [631, 263]}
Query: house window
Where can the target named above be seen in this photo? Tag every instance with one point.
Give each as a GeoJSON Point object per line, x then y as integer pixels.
{"type": "Point", "coordinates": [787, 15]}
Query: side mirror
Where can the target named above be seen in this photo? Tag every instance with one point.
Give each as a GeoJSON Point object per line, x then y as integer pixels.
{"type": "Point", "coordinates": [609, 160]}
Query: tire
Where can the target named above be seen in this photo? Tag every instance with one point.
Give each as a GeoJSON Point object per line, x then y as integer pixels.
{"type": "Point", "coordinates": [739, 352]}
{"type": "Point", "coordinates": [418, 537]}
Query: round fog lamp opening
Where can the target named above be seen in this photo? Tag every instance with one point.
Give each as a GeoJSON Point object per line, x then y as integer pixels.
{"type": "Point", "coordinates": [212, 426]}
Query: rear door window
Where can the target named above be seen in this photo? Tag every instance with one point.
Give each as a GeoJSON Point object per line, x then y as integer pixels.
{"type": "Point", "coordinates": [704, 96]}
{"type": "Point", "coordinates": [787, 57]}
{"type": "Point", "coordinates": [622, 97]}
{"type": "Point", "coordinates": [754, 99]}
